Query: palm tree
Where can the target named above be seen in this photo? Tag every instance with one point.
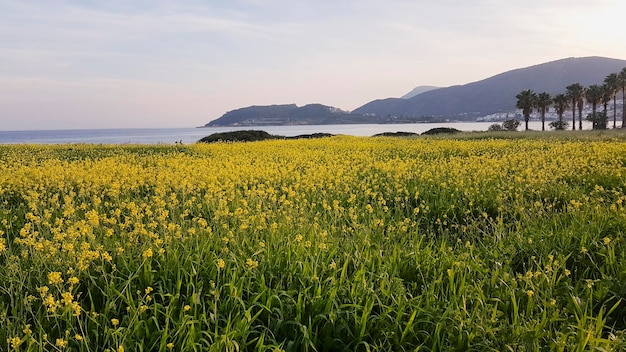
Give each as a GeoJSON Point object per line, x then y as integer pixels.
{"type": "Point", "coordinates": [543, 102]}
{"type": "Point", "coordinates": [561, 103]}
{"type": "Point", "coordinates": [593, 95]}
{"type": "Point", "coordinates": [575, 93]}
{"type": "Point", "coordinates": [612, 83]}
{"type": "Point", "coordinates": [526, 101]}
{"type": "Point", "coordinates": [622, 84]}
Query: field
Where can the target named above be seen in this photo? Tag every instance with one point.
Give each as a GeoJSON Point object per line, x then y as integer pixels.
{"type": "Point", "coordinates": [335, 244]}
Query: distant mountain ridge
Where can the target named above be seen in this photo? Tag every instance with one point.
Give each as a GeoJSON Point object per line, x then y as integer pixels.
{"type": "Point", "coordinates": [417, 91]}
{"type": "Point", "coordinates": [495, 94]}
{"type": "Point", "coordinates": [466, 102]}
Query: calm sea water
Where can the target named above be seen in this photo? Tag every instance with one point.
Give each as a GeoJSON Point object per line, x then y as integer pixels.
{"type": "Point", "coordinates": [192, 135]}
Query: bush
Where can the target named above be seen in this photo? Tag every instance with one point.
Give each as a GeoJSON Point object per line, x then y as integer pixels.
{"type": "Point", "coordinates": [495, 127]}
{"type": "Point", "coordinates": [238, 136]}
{"type": "Point", "coordinates": [598, 119]}
{"type": "Point", "coordinates": [396, 134]}
{"type": "Point", "coordinates": [441, 130]}
{"type": "Point", "coordinates": [510, 125]}
{"type": "Point", "coordinates": [558, 125]}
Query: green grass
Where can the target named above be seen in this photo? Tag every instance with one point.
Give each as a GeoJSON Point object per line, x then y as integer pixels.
{"type": "Point", "coordinates": [483, 242]}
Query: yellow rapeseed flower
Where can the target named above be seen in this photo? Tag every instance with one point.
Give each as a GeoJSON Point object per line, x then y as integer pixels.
{"type": "Point", "coordinates": [61, 343]}
{"type": "Point", "coordinates": [67, 298]}
{"type": "Point", "coordinates": [252, 263]}
{"type": "Point", "coordinates": [55, 278]}
{"type": "Point", "coordinates": [147, 253]}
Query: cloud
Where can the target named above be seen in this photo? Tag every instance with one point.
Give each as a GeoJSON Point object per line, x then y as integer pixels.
{"type": "Point", "coordinates": [221, 55]}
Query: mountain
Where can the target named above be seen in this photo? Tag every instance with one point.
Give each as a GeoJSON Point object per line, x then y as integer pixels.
{"type": "Point", "coordinates": [459, 103]}
{"type": "Point", "coordinates": [287, 114]}
{"type": "Point", "coordinates": [495, 94]}
{"type": "Point", "coordinates": [417, 91]}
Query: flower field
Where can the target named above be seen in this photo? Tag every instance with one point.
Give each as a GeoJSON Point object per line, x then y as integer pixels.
{"type": "Point", "coordinates": [336, 244]}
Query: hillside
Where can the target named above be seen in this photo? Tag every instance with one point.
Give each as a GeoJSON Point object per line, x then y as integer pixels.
{"type": "Point", "coordinates": [287, 114]}
{"type": "Point", "coordinates": [497, 93]}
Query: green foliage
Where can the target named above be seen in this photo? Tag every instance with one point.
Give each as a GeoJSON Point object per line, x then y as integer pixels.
{"type": "Point", "coordinates": [238, 136]}
{"type": "Point", "coordinates": [441, 130]}
{"type": "Point", "coordinates": [559, 125]}
{"type": "Point", "coordinates": [396, 134]}
{"type": "Point", "coordinates": [495, 127]}
{"type": "Point", "coordinates": [599, 120]}
{"type": "Point", "coordinates": [342, 244]}
{"type": "Point", "coordinates": [510, 125]}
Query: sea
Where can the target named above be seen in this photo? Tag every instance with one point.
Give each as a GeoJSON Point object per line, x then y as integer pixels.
{"type": "Point", "coordinates": [192, 135]}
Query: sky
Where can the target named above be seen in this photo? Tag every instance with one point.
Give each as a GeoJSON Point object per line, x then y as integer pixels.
{"type": "Point", "coordinates": [183, 63]}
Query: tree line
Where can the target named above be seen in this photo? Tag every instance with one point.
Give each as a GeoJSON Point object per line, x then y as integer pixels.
{"type": "Point", "coordinates": [574, 98]}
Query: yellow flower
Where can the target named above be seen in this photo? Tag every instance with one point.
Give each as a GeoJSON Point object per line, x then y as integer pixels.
{"type": "Point", "coordinates": [187, 308]}
{"type": "Point", "coordinates": [43, 291]}
{"type": "Point", "coordinates": [530, 293]}
{"type": "Point", "coordinates": [332, 265]}
{"type": "Point", "coordinates": [55, 278]}
{"type": "Point", "coordinates": [148, 290]}
{"type": "Point", "coordinates": [252, 263]}
{"type": "Point", "coordinates": [67, 298]}
{"type": "Point", "coordinates": [147, 253]}
{"type": "Point", "coordinates": [583, 250]}
{"type": "Point", "coordinates": [221, 264]}
{"type": "Point", "coordinates": [51, 303]}
{"type": "Point", "coordinates": [73, 280]}
{"type": "Point", "coordinates": [78, 337]}
{"type": "Point", "coordinates": [15, 342]}
{"type": "Point", "coordinates": [115, 322]}
{"type": "Point", "coordinates": [606, 240]}
{"type": "Point", "coordinates": [170, 345]}
{"type": "Point", "coordinates": [61, 343]}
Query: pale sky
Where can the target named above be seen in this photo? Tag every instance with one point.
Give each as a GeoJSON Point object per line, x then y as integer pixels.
{"type": "Point", "coordinates": [183, 63]}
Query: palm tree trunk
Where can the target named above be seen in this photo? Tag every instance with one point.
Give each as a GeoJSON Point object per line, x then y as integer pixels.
{"type": "Point", "coordinates": [543, 119]}
{"type": "Point", "coordinates": [573, 115]}
{"type": "Point", "coordinates": [623, 108]}
{"type": "Point", "coordinates": [614, 111]}
{"type": "Point", "coordinates": [526, 118]}
{"type": "Point", "coordinates": [580, 116]}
